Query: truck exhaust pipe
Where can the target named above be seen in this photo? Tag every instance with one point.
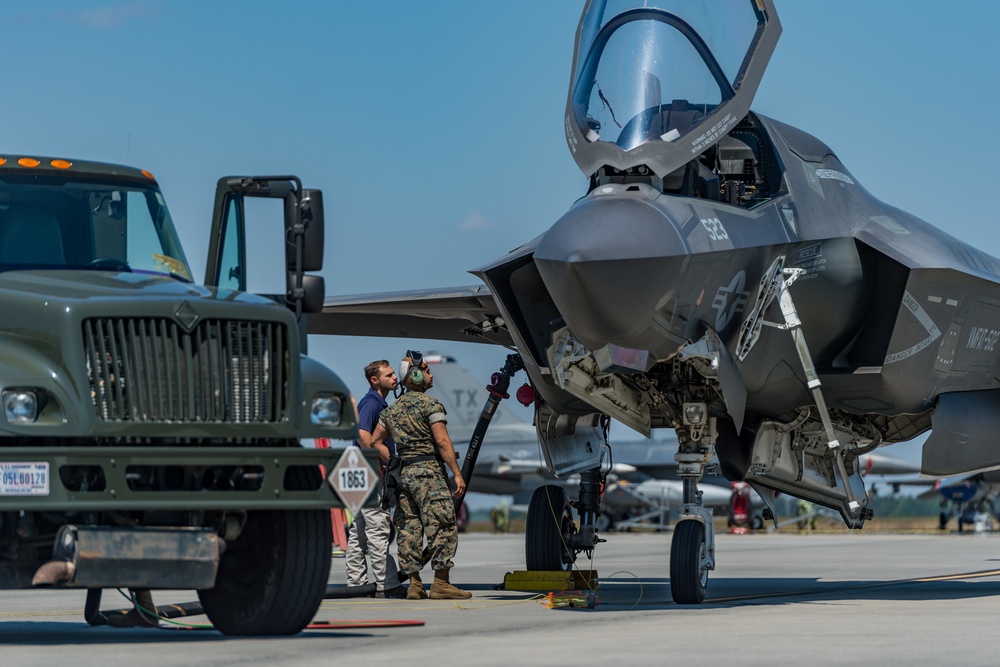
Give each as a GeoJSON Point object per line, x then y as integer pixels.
{"type": "Point", "coordinates": [54, 572]}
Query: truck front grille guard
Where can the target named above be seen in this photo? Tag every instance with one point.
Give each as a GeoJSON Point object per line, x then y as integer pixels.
{"type": "Point", "coordinates": [152, 370]}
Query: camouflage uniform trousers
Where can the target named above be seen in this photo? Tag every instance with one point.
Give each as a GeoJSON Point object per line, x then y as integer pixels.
{"type": "Point", "coordinates": [426, 509]}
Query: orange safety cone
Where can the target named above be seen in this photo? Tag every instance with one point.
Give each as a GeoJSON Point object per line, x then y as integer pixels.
{"type": "Point", "coordinates": [340, 522]}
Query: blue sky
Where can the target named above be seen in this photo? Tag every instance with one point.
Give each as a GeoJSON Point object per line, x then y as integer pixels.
{"type": "Point", "coordinates": [434, 129]}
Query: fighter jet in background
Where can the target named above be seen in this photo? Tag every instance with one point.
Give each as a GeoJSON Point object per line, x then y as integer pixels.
{"type": "Point", "coordinates": [726, 277]}
{"type": "Point", "coordinates": [973, 500]}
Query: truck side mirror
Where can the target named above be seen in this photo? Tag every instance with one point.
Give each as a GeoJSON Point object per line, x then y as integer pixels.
{"type": "Point", "coordinates": [303, 213]}
{"type": "Point", "coordinates": [311, 294]}
{"type": "Point", "coordinates": [307, 210]}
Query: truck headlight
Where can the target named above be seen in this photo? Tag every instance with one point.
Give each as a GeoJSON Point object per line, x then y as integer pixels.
{"type": "Point", "coordinates": [20, 406]}
{"type": "Point", "coordinates": [325, 410]}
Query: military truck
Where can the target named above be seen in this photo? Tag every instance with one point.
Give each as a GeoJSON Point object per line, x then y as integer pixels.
{"type": "Point", "coordinates": [150, 435]}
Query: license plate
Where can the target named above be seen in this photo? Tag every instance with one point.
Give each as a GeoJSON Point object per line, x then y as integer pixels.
{"type": "Point", "coordinates": [24, 479]}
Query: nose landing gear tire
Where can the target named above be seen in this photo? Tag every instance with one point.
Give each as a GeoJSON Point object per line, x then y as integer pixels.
{"type": "Point", "coordinates": [688, 573]}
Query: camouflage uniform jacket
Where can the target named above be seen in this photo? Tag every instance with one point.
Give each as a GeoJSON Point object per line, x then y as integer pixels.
{"type": "Point", "coordinates": [409, 420]}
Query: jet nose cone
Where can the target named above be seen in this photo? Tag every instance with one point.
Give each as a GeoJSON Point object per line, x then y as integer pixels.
{"type": "Point", "coordinates": [610, 264]}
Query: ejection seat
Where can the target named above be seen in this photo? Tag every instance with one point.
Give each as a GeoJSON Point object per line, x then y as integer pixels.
{"type": "Point", "coordinates": [666, 120]}
{"type": "Point", "coordinates": [677, 116]}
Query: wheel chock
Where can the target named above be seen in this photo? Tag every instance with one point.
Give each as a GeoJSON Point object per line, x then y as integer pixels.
{"type": "Point", "coordinates": [554, 580]}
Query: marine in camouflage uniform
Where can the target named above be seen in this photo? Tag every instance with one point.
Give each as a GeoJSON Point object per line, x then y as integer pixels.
{"type": "Point", "coordinates": [426, 507]}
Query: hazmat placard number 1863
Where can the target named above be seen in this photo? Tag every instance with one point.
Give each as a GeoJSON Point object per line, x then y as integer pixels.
{"type": "Point", "coordinates": [353, 479]}
{"type": "Point", "coordinates": [24, 479]}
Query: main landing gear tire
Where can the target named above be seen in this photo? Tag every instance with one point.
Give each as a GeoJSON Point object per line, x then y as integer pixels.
{"type": "Point", "coordinates": [688, 575]}
{"type": "Point", "coordinates": [272, 578]}
{"type": "Point", "coordinates": [549, 524]}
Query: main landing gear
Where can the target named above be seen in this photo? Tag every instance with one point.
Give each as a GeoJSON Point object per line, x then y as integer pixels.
{"type": "Point", "coordinates": [552, 539]}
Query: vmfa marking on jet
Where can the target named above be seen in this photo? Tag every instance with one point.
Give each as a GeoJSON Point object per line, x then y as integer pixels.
{"type": "Point", "coordinates": [983, 339]}
{"type": "Point", "coordinates": [630, 304]}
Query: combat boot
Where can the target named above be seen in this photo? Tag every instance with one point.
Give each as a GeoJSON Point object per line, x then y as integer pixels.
{"type": "Point", "coordinates": [415, 591]}
{"type": "Point", "coordinates": [442, 589]}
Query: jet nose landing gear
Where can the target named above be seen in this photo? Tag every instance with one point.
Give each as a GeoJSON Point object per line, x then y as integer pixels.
{"type": "Point", "coordinates": [692, 550]}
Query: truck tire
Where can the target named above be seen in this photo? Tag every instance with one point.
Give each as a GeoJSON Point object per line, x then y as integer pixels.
{"type": "Point", "coordinates": [272, 578]}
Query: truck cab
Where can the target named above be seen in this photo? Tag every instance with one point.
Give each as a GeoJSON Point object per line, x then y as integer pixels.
{"type": "Point", "coordinates": [151, 426]}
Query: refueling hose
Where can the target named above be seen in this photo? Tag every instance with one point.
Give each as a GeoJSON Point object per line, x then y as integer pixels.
{"type": "Point", "coordinates": [497, 391]}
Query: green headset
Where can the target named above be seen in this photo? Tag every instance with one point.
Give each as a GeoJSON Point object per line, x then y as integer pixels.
{"type": "Point", "coordinates": [411, 370]}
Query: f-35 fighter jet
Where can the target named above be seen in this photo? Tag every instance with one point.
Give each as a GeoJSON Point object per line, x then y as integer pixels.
{"type": "Point", "coordinates": [724, 276]}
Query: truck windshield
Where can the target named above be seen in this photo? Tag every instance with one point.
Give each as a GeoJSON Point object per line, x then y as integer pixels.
{"type": "Point", "coordinates": [59, 222]}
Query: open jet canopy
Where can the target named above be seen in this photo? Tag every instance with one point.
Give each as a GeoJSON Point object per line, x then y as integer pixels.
{"type": "Point", "coordinates": [657, 82]}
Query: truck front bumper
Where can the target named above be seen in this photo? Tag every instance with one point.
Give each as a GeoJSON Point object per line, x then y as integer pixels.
{"type": "Point", "coordinates": [121, 478]}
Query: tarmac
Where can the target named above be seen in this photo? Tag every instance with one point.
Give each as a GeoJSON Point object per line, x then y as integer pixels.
{"type": "Point", "coordinates": [774, 599]}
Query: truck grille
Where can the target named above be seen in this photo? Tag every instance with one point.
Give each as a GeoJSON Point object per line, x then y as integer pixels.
{"type": "Point", "coordinates": [151, 370]}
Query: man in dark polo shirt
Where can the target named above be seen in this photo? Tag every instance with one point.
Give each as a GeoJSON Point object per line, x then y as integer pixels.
{"type": "Point", "coordinates": [371, 532]}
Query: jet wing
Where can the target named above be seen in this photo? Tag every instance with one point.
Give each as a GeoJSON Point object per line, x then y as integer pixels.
{"type": "Point", "coordinates": [961, 489]}
{"type": "Point", "coordinates": [880, 464]}
{"type": "Point", "coordinates": [464, 314]}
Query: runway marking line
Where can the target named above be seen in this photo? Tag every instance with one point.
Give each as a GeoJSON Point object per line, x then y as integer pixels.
{"type": "Point", "coordinates": [967, 575]}
{"type": "Point", "coordinates": [64, 612]}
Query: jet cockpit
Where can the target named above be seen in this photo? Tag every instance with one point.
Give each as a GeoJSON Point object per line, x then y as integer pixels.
{"type": "Point", "coordinates": [699, 64]}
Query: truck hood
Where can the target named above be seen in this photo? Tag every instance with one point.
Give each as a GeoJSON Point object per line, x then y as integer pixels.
{"type": "Point", "coordinates": [147, 355]}
{"type": "Point", "coordinates": [68, 285]}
